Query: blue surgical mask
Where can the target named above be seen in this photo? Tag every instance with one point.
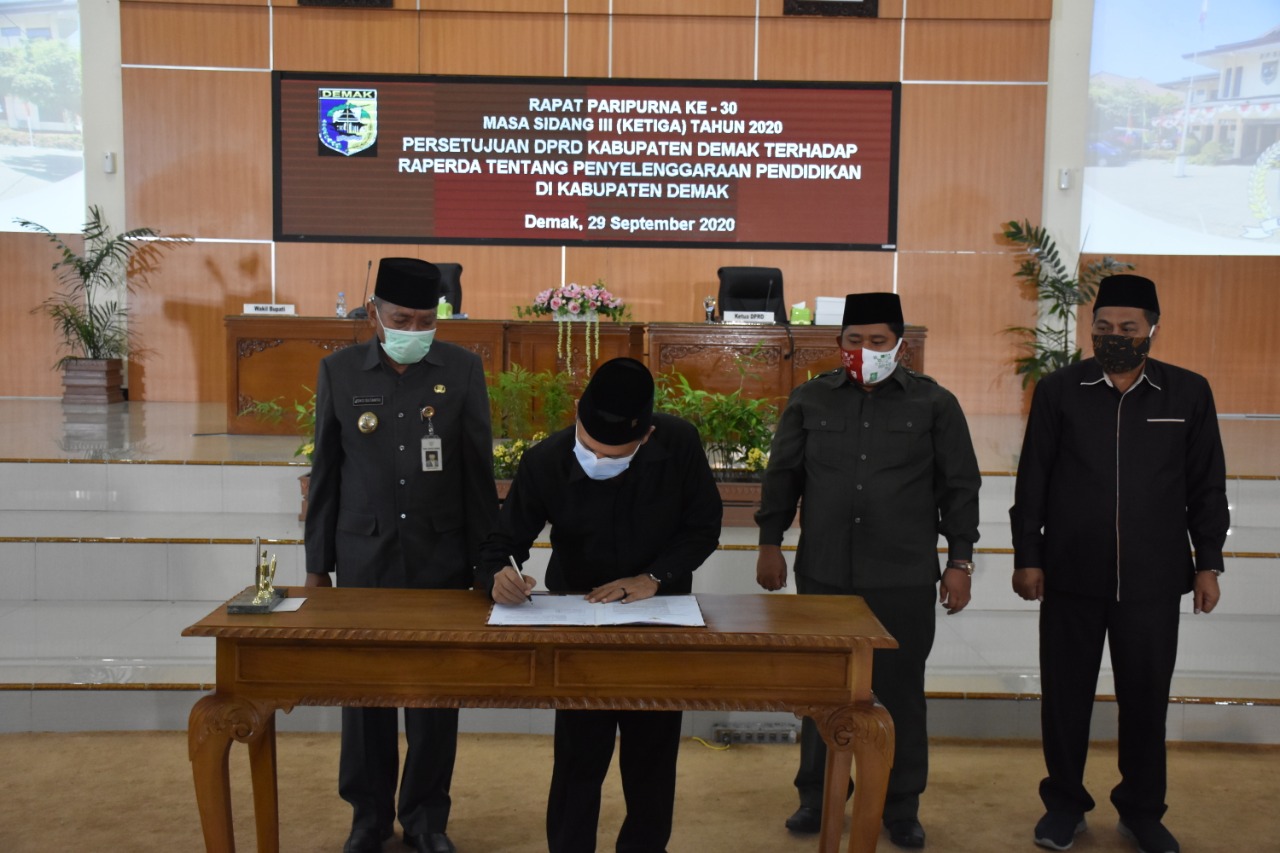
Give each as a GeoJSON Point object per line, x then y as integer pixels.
{"type": "Point", "coordinates": [407, 347]}
{"type": "Point", "coordinates": [597, 468]}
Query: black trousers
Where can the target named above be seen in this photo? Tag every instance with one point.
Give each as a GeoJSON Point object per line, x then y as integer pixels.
{"type": "Point", "coordinates": [650, 741]}
{"type": "Point", "coordinates": [897, 678]}
{"type": "Point", "coordinates": [1144, 647]}
{"type": "Point", "coordinates": [371, 756]}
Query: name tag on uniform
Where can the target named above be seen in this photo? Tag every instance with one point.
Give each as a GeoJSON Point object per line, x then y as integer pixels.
{"type": "Point", "coordinates": [366, 401]}
{"type": "Point", "coordinates": [432, 453]}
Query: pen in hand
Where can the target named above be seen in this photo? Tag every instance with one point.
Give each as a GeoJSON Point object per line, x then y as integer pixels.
{"type": "Point", "coordinates": [520, 575]}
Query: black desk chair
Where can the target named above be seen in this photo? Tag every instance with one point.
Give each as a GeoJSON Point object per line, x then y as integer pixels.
{"type": "Point", "coordinates": [752, 289]}
{"type": "Point", "coordinates": [451, 285]}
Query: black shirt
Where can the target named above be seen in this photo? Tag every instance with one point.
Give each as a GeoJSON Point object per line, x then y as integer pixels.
{"type": "Point", "coordinates": [1110, 486]}
{"type": "Point", "coordinates": [881, 472]}
{"type": "Point", "coordinates": [660, 516]}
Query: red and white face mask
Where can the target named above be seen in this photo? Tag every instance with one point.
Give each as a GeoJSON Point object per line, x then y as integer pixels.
{"type": "Point", "coordinates": [867, 366]}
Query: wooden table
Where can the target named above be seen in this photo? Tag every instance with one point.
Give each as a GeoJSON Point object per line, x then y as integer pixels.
{"type": "Point", "coordinates": [810, 655]}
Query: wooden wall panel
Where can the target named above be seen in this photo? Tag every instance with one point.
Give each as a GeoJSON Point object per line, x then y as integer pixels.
{"type": "Point", "coordinates": [861, 49]}
{"type": "Point", "coordinates": [190, 3]}
{"type": "Point", "coordinates": [545, 7]}
{"type": "Point", "coordinates": [206, 36]}
{"type": "Point", "coordinates": [693, 48]}
{"type": "Point", "coordinates": [668, 285]}
{"type": "Point", "coordinates": [739, 8]}
{"type": "Point", "coordinates": [371, 40]}
{"type": "Point", "coordinates": [28, 343]}
{"type": "Point", "coordinates": [1219, 319]}
{"type": "Point", "coordinates": [971, 157]}
{"type": "Point", "coordinates": [467, 43]}
{"type": "Point", "coordinates": [180, 319]}
{"type": "Point", "coordinates": [998, 10]}
{"type": "Point", "coordinates": [966, 301]}
{"type": "Point", "coordinates": [976, 50]}
{"type": "Point", "coordinates": [588, 47]}
{"type": "Point", "coordinates": [198, 152]}
{"type": "Point", "coordinates": [494, 278]}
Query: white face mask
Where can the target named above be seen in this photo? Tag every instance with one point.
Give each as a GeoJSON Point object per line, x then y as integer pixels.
{"type": "Point", "coordinates": [597, 468]}
{"type": "Point", "coordinates": [867, 366]}
{"type": "Point", "coordinates": [406, 347]}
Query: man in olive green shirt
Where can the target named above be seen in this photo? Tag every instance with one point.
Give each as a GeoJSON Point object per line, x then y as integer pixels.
{"type": "Point", "coordinates": [883, 461]}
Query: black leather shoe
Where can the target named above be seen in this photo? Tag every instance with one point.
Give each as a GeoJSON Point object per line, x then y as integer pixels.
{"type": "Point", "coordinates": [430, 842]}
{"type": "Point", "coordinates": [362, 840]}
{"type": "Point", "coordinates": [806, 820]}
{"type": "Point", "coordinates": [905, 832]}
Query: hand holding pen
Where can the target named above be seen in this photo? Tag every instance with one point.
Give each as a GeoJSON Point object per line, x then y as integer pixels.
{"type": "Point", "coordinates": [511, 585]}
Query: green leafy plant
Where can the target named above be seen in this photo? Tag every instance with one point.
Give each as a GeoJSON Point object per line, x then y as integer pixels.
{"type": "Point", "coordinates": [736, 429]}
{"type": "Point", "coordinates": [88, 309]}
{"type": "Point", "coordinates": [304, 418]}
{"type": "Point", "coordinates": [522, 402]}
{"type": "Point", "coordinates": [1058, 292]}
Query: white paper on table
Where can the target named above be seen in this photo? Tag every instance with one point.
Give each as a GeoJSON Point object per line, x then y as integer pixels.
{"type": "Point", "coordinates": [288, 605]}
{"type": "Point", "coordinates": [680, 610]}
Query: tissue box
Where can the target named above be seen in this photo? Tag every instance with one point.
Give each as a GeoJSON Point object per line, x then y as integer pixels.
{"type": "Point", "coordinates": [800, 315]}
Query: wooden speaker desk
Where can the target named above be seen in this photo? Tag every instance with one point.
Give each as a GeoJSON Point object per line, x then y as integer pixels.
{"type": "Point", "coordinates": [810, 655]}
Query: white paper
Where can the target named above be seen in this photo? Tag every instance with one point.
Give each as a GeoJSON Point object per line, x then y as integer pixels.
{"type": "Point", "coordinates": [288, 605]}
{"type": "Point", "coordinates": [575, 610]}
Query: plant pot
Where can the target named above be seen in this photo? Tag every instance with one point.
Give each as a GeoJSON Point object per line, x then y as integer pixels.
{"type": "Point", "coordinates": [95, 381]}
{"type": "Point", "coordinates": [741, 500]}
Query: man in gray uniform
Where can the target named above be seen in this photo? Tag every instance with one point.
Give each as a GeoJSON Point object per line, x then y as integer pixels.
{"type": "Point", "coordinates": [401, 496]}
{"type": "Point", "coordinates": [883, 461]}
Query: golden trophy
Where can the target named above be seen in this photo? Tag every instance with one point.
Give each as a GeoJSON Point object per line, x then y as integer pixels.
{"type": "Point", "coordinates": [262, 597]}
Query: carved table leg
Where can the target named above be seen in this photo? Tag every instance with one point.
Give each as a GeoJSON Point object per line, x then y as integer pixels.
{"type": "Point", "coordinates": [215, 721]}
{"type": "Point", "coordinates": [262, 767]}
{"type": "Point", "coordinates": [864, 733]}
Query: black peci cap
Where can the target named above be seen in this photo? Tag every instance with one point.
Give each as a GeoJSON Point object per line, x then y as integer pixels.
{"type": "Point", "coordinates": [1127, 291]}
{"type": "Point", "coordinates": [865, 309]}
{"type": "Point", "coordinates": [408, 282]}
{"type": "Point", "coordinates": [616, 407]}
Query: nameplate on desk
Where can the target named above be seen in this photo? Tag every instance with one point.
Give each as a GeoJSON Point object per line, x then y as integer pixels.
{"type": "Point", "coordinates": [270, 308]}
{"type": "Point", "coordinates": [748, 318]}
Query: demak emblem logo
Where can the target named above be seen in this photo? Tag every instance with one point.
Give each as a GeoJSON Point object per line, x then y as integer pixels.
{"type": "Point", "coordinates": [349, 120]}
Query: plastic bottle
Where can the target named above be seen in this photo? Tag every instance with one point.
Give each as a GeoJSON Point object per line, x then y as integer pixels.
{"type": "Point", "coordinates": [342, 304]}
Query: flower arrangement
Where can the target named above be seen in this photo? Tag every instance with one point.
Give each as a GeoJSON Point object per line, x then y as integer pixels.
{"type": "Point", "coordinates": [570, 302]}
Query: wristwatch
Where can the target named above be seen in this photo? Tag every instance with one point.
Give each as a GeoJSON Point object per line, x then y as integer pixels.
{"type": "Point", "coordinates": [965, 566]}
{"type": "Point", "coordinates": [654, 578]}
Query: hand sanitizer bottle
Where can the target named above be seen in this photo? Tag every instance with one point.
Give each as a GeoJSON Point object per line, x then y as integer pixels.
{"type": "Point", "coordinates": [342, 304]}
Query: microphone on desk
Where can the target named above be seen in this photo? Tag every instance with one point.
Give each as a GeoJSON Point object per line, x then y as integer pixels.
{"type": "Point", "coordinates": [784, 320]}
{"type": "Point", "coordinates": [362, 312]}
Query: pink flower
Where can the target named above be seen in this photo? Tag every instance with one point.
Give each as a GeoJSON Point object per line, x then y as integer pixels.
{"type": "Point", "coordinates": [574, 308]}
{"type": "Point", "coordinates": [555, 303]}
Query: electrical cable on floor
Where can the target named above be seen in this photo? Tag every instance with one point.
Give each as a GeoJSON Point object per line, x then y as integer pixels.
{"type": "Point", "coordinates": [710, 745]}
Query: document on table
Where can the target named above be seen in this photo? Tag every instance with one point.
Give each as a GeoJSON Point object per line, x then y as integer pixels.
{"type": "Point", "coordinates": [575, 610]}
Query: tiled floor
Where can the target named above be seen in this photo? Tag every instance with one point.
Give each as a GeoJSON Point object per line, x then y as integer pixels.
{"type": "Point", "coordinates": [92, 612]}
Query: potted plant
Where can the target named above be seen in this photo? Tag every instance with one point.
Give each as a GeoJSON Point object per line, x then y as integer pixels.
{"type": "Point", "coordinates": [1058, 293]}
{"type": "Point", "coordinates": [88, 309]}
{"type": "Point", "coordinates": [304, 418]}
{"type": "Point", "coordinates": [736, 431]}
{"type": "Point", "coordinates": [524, 408]}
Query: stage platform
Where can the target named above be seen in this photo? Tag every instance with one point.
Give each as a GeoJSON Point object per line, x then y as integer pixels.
{"type": "Point", "coordinates": [121, 526]}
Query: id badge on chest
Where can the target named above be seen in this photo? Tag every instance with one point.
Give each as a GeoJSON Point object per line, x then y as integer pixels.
{"type": "Point", "coordinates": [432, 453]}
